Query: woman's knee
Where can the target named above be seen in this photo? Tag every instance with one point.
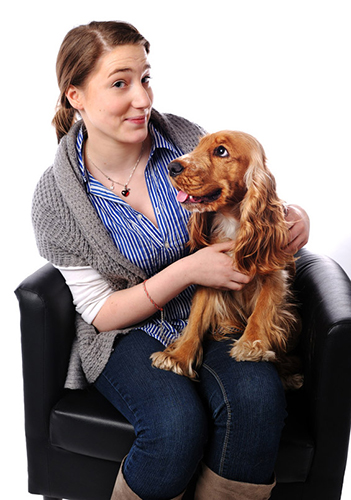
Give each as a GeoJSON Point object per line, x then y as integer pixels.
{"type": "Point", "coordinates": [260, 394]}
{"type": "Point", "coordinates": [248, 408]}
{"type": "Point", "coordinates": [167, 450]}
{"type": "Point", "coordinates": [256, 400]}
{"type": "Point", "coordinates": [177, 432]}
{"type": "Point", "coordinates": [249, 391]}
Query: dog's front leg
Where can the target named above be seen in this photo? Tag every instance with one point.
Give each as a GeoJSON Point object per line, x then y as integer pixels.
{"type": "Point", "coordinates": [265, 333]}
{"type": "Point", "coordinates": [185, 354]}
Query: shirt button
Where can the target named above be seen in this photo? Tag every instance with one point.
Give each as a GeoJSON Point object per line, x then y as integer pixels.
{"type": "Point", "coordinates": [166, 245]}
{"type": "Point", "coordinates": [140, 216]}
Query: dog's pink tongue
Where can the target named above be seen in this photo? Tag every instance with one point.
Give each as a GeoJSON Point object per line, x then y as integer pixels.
{"type": "Point", "coordinates": [182, 197]}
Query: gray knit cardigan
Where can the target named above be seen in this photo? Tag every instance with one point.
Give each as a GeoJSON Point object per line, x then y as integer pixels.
{"type": "Point", "coordinates": [69, 233]}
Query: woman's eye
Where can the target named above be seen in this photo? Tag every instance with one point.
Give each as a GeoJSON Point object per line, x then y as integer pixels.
{"type": "Point", "coordinates": [221, 151]}
{"type": "Point", "coordinates": [119, 84]}
{"type": "Point", "coordinates": [146, 80]}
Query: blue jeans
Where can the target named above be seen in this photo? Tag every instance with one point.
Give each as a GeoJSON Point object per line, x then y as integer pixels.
{"type": "Point", "coordinates": [232, 418]}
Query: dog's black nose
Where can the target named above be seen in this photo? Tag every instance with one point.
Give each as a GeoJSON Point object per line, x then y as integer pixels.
{"type": "Point", "coordinates": [175, 168]}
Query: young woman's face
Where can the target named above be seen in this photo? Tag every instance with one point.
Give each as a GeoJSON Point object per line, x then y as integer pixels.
{"type": "Point", "coordinates": [116, 102]}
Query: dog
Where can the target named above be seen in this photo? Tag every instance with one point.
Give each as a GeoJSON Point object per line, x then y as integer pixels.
{"type": "Point", "coordinates": [231, 193]}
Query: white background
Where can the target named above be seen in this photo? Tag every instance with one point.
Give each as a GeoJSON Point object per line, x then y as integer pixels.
{"type": "Point", "coordinates": [277, 69]}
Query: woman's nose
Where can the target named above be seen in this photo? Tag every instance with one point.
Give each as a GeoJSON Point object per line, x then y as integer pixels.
{"type": "Point", "coordinates": [142, 97]}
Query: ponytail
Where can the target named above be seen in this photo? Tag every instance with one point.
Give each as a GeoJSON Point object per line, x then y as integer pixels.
{"type": "Point", "coordinates": [64, 118]}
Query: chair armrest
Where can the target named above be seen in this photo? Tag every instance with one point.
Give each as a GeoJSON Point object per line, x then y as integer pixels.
{"type": "Point", "coordinates": [324, 293]}
{"type": "Point", "coordinates": [47, 332]}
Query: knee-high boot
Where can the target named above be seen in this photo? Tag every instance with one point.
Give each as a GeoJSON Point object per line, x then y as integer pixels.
{"type": "Point", "coordinates": [121, 490]}
{"type": "Point", "coordinates": [210, 486]}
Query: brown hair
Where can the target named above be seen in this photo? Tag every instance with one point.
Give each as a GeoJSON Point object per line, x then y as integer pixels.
{"type": "Point", "coordinates": [79, 53]}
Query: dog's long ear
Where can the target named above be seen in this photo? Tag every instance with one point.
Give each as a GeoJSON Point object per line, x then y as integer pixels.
{"type": "Point", "coordinates": [199, 228]}
{"type": "Point", "coordinates": [263, 232]}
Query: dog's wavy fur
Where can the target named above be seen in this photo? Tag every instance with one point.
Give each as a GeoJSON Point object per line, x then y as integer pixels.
{"type": "Point", "coordinates": [233, 197]}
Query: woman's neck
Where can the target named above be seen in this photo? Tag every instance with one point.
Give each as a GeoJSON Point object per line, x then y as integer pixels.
{"type": "Point", "coordinates": [114, 159]}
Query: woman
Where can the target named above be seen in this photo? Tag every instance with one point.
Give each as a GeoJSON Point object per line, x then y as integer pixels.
{"type": "Point", "coordinates": [106, 215]}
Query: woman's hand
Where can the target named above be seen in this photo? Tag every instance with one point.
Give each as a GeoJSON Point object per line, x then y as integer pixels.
{"type": "Point", "coordinates": [299, 228]}
{"type": "Point", "coordinates": [212, 267]}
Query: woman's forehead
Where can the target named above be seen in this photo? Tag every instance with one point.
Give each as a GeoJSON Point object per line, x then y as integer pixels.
{"type": "Point", "coordinates": [124, 58]}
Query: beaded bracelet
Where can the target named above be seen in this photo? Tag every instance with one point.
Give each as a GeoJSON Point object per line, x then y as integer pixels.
{"type": "Point", "coordinates": [150, 298]}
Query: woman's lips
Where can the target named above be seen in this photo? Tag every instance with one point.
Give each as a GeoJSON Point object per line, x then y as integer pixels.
{"type": "Point", "coordinates": [137, 120]}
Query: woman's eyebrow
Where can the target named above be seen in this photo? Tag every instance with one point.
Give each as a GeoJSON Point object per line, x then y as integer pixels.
{"type": "Point", "coordinates": [121, 70]}
{"type": "Point", "coordinates": [125, 70]}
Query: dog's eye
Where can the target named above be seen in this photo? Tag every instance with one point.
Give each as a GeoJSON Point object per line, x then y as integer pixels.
{"type": "Point", "coordinates": [221, 151]}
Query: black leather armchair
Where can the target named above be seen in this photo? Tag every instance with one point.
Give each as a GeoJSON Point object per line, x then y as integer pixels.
{"type": "Point", "coordinates": [76, 439]}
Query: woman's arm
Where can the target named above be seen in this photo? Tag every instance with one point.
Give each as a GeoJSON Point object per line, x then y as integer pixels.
{"type": "Point", "coordinates": [209, 266]}
{"type": "Point", "coordinates": [88, 288]}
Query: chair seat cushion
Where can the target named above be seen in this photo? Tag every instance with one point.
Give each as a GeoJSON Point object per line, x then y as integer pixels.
{"type": "Point", "coordinates": [85, 422]}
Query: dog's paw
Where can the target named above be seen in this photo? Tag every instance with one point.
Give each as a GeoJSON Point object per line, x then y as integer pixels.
{"type": "Point", "coordinates": [251, 351]}
{"type": "Point", "coordinates": [166, 360]}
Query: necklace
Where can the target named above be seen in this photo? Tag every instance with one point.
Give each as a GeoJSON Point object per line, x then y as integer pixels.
{"type": "Point", "coordinates": [125, 192]}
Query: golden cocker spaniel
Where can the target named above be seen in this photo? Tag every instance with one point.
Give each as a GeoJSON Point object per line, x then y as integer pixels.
{"type": "Point", "coordinates": [227, 186]}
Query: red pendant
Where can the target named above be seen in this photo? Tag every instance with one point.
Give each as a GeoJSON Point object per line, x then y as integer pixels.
{"type": "Point", "coordinates": [125, 192]}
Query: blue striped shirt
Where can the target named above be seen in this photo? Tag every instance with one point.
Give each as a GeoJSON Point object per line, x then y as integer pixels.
{"type": "Point", "coordinates": [150, 248]}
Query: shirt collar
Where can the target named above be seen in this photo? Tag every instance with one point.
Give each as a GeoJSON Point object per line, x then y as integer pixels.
{"type": "Point", "coordinates": [79, 149]}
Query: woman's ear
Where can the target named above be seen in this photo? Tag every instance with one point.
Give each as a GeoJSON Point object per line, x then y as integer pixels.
{"type": "Point", "coordinates": [75, 97]}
